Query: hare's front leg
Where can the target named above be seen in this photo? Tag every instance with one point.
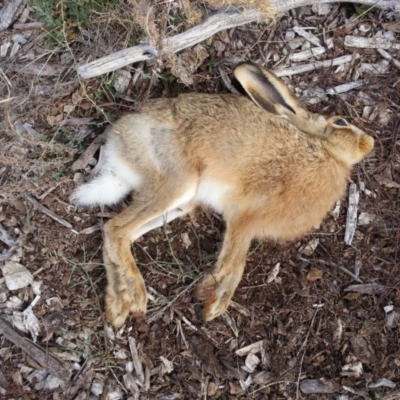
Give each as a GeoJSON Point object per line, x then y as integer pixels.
{"type": "Point", "coordinates": [216, 289]}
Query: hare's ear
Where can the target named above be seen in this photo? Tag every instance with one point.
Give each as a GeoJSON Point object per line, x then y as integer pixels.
{"type": "Point", "coordinates": [268, 91]}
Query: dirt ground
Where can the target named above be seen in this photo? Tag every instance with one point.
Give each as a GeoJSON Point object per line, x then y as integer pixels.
{"type": "Point", "coordinates": [331, 314]}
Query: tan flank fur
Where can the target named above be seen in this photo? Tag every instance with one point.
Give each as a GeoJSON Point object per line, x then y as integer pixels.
{"type": "Point", "coordinates": [271, 168]}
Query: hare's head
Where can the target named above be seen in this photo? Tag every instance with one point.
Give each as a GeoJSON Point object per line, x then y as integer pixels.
{"type": "Point", "coordinates": [347, 142]}
{"type": "Point", "coordinates": [343, 139]}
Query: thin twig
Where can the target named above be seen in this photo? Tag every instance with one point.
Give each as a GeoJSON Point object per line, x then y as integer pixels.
{"type": "Point", "coordinates": [49, 213]}
{"type": "Point", "coordinates": [44, 358]}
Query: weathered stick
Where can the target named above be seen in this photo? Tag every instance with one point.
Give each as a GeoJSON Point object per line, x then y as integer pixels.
{"type": "Point", "coordinates": [351, 218]}
{"type": "Point", "coordinates": [48, 212]}
{"type": "Point", "coordinates": [54, 366]}
{"type": "Point", "coordinates": [206, 29]}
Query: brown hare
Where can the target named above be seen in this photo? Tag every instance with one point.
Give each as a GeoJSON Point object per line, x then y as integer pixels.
{"type": "Point", "coordinates": [271, 168]}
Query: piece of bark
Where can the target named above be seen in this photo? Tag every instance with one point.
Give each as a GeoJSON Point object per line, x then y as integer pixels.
{"type": "Point", "coordinates": [251, 348]}
{"type": "Point", "coordinates": [38, 69]}
{"type": "Point", "coordinates": [306, 34]}
{"type": "Point", "coordinates": [389, 57]}
{"type": "Point", "coordinates": [205, 352]}
{"type": "Point", "coordinates": [363, 350]}
{"type": "Point", "coordinates": [28, 26]}
{"type": "Point", "coordinates": [351, 218]}
{"type": "Point", "coordinates": [43, 357]}
{"type": "Point", "coordinates": [136, 362]}
{"type": "Point", "coordinates": [8, 13]}
{"type": "Point", "coordinates": [6, 238]}
{"type": "Point", "coordinates": [16, 275]}
{"type": "Point", "coordinates": [366, 288]}
{"type": "Point", "coordinates": [88, 154]}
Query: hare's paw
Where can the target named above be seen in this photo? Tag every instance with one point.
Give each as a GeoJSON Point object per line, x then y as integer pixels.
{"type": "Point", "coordinates": [130, 296]}
{"type": "Point", "coordinates": [214, 295]}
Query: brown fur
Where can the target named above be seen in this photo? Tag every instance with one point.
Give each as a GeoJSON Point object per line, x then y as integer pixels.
{"type": "Point", "coordinates": [280, 183]}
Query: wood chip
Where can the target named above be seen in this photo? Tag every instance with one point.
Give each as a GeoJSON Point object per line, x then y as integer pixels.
{"type": "Point", "coordinates": [362, 350]}
{"type": "Point", "coordinates": [251, 348]}
{"type": "Point", "coordinates": [314, 274]}
{"type": "Point", "coordinates": [239, 308]}
{"type": "Point", "coordinates": [389, 57]}
{"type": "Point", "coordinates": [351, 218]}
{"type": "Point", "coordinates": [366, 218]}
{"type": "Point", "coordinates": [354, 369]}
{"type": "Point", "coordinates": [392, 26]}
{"type": "Point", "coordinates": [370, 43]}
{"type": "Point", "coordinates": [6, 238]}
{"type": "Point", "coordinates": [87, 155]}
{"type": "Point", "coordinates": [205, 353]}
{"type": "Point", "coordinates": [91, 229]}
{"type": "Point", "coordinates": [383, 382]}
{"type": "Point", "coordinates": [8, 13]}
{"type": "Point", "coordinates": [131, 385]}
{"type": "Point", "coordinates": [38, 69]}
{"type": "Point", "coordinates": [310, 247]}
{"type": "Point", "coordinates": [307, 54]}
{"type": "Point", "coordinates": [367, 288]}
{"type": "Point", "coordinates": [321, 385]}
{"type": "Point", "coordinates": [392, 316]}
{"type": "Point", "coordinates": [263, 378]}
{"type": "Point", "coordinates": [273, 273]}
{"type": "Point", "coordinates": [387, 182]}
{"type": "Point", "coordinates": [231, 323]}
{"type": "Point", "coordinates": [16, 275]}
{"type": "Point", "coordinates": [169, 365]}
{"type": "Point", "coordinates": [136, 362]}
{"type": "Point", "coordinates": [251, 363]}
{"type": "Point", "coordinates": [305, 33]}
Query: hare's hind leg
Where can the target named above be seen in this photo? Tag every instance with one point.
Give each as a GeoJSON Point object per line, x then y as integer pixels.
{"type": "Point", "coordinates": [216, 289]}
{"type": "Point", "coordinates": [126, 290]}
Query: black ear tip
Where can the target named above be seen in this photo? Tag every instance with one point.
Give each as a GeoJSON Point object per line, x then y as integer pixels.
{"type": "Point", "coordinates": [237, 85]}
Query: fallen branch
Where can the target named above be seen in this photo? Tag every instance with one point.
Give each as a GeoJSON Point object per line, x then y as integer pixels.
{"type": "Point", "coordinates": [201, 32]}
{"type": "Point", "coordinates": [43, 357]}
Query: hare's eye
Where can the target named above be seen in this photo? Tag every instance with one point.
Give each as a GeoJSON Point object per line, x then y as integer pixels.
{"type": "Point", "coordinates": [340, 122]}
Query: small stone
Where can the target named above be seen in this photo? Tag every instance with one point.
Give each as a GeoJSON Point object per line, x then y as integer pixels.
{"type": "Point", "coordinates": [79, 178]}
